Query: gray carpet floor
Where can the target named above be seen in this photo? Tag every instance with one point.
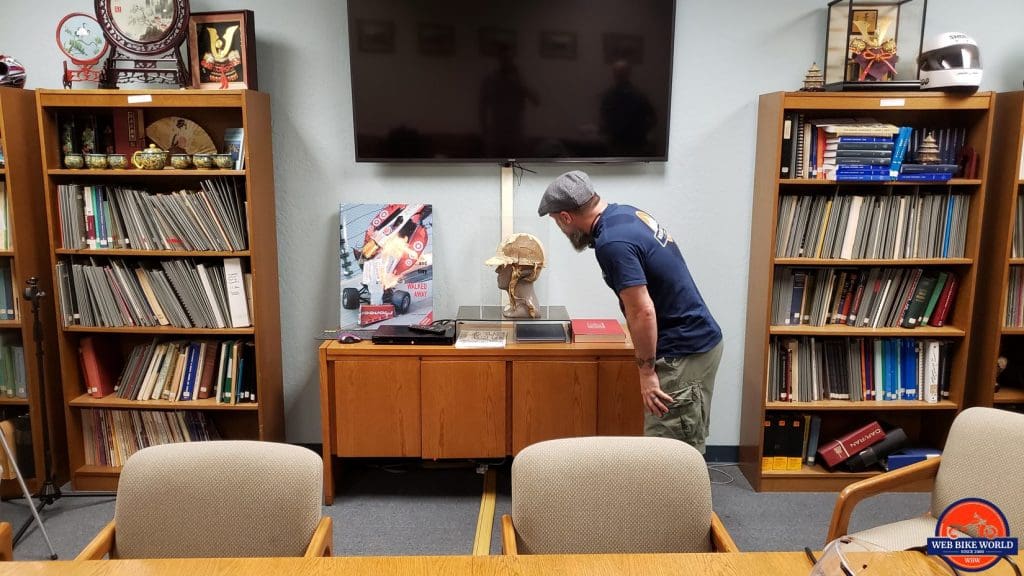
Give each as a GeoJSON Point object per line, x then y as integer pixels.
{"type": "Point", "coordinates": [410, 508]}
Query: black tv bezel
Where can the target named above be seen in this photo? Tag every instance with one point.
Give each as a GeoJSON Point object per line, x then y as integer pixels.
{"type": "Point", "coordinates": [505, 160]}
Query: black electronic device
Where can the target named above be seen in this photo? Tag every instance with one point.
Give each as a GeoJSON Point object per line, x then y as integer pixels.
{"type": "Point", "coordinates": [524, 80]}
{"type": "Point", "coordinates": [403, 334]}
{"type": "Point", "coordinates": [895, 439]}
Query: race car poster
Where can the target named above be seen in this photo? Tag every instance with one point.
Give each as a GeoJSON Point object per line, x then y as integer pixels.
{"type": "Point", "coordinates": [386, 265]}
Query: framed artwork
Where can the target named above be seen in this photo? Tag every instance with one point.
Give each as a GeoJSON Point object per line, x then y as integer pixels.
{"type": "Point", "coordinates": [144, 27]}
{"type": "Point", "coordinates": [629, 47]}
{"type": "Point", "coordinates": [375, 36]}
{"type": "Point", "coordinates": [386, 265]}
{"type": "Point", "coordinates": [558, 45]}
{"type": "Point", "coordinates": [494, 41]}
{"type": "Point", "coordinates": [864, 22]}
{"type": "Point", "coordinates": [81, 38]}
{"type": "Point", "coordinates": [435, 39]}
{"type": "Point", "coordinates": [222, 49]}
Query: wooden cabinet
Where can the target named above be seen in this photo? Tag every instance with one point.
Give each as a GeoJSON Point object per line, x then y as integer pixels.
{"type": "Point", "coordinates": [23, 255]}
{"type": "Point", "coordinates": [438, 402]}
{"type": "Point", "coordinates": [553, 399]}
{"type": "Point", "coordinates": [255, 251]}
{"type": "Point", "coordinates": [970, 119]}
{"type": "Point", "coordinates": [463, 408]}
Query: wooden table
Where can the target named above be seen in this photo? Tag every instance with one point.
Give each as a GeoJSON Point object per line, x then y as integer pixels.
{"type": "Point", "coordinates": [437, 402]}
{"type": "Point", "coordinates": [742, 564]}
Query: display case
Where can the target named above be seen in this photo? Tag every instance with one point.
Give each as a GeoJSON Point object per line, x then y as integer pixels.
{"type": "Point", "coordinates": [874, 44]}
{"type": "Point", "coordinates": [552, 324]}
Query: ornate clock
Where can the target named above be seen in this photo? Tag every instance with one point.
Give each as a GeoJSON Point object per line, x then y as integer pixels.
{"type": "Point", "coordinates": [146, 36]}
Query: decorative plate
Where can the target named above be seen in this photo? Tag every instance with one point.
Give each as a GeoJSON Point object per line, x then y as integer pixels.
{"type": "Point", "coordinates": [180, 135]}
{"type": "Point", "coordinates": [81, 38]}
{"type": "Point", "coordinates": [144, 27]}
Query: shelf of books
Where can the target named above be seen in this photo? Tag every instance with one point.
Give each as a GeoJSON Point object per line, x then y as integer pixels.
{"type": "Point", "coordinates": [864, 256]}
{"type": "Point", "coordinates": [997, 360]}
{"type": "Point", "coordinates": [23, 255]}
{"type": "Point", "coordinates": [167, 287]}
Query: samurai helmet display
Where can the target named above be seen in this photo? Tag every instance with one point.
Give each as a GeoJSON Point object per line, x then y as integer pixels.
{"type": "Point", "coordinates": [12, 73]}
{"type": "Point", "coordinates": [524, 255]}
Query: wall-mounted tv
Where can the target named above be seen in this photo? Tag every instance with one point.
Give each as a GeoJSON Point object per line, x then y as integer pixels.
{"type": "Point", "coordinates": [499, 80]}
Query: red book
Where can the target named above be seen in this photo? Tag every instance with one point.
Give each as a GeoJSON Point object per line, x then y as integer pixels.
{"type": "Point", "coordinates": [839, 450]}
{"type": "Point", "coordinates": [945, 303]}
{"type": "Point", "coordinates": [100, 365]}
{"type": "Point", "coordinates": [597, 330]}
{"type": "Point", "coordinates": [209, 361]}
{"type": "Point", "coordinates": [129, 132]}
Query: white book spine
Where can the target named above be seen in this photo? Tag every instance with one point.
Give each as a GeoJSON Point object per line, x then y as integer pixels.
{"type": "Point", "coordinates": [235, 282]}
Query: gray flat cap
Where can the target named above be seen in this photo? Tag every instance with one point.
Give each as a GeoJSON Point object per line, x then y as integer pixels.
{"type": "Point", "coordinates": [567, 193]}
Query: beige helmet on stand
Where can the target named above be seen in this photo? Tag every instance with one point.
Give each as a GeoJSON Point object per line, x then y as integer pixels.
{"type": "Point", "coordinates": [525, 254]}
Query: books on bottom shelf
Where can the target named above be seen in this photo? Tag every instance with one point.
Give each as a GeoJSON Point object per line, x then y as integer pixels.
{"type": "Point", "coordinates": [8, 295]}
{"type": "Point", "coordinates": [180, 371]}
{"type": "Point", "coordinates": [810, 369]}
{"type": "Point", "coordinates": [177, 292]}
{"type": "Point", "coordinates": [790, 441]}
{"type": "Point", "coordinates": [110, 437]}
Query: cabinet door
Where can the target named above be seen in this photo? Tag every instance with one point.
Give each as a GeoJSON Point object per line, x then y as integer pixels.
{"type": "Point", "coordinates": [552, 399]}
{"type": "Point", "coordinates": [620, 410]}
{"type": "Point", "coordinates": [463, 409]}
{"type": "Point", "coordinates": [377, 407]}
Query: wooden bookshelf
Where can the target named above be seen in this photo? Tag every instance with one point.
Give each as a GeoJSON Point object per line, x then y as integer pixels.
{"type": "Point", "coordinates": [993, 335]}
{"type": "Point", "coordinates": [925, 423]}
{"type": "Point", "coordinates": [23, 179]}
{"type": "Point", "coordinates": [214, 111]}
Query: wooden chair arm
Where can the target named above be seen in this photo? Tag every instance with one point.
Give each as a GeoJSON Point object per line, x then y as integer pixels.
{"type": "Point", "coordinates": [508, 536]}
{"type": "Point", "coordinates": [854, 493]}
{"type": "Point", "coordinates": [6, 544]}
{"type": "Point", "coordinates": [100, 546]}
{"type": "Point", "coordinates": [322, 542]}
{"type": "Point", "coordinates": [721, 541]}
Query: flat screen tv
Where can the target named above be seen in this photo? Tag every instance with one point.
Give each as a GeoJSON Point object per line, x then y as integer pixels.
{"type": "Point", "coordinates": [500, 80]}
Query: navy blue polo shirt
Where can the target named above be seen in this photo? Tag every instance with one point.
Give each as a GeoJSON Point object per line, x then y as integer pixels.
{"type": "Point", "coordinates": [633, 250]}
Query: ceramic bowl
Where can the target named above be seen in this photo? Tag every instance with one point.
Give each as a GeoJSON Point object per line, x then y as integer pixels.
{"type": "Point", "coordinates": [224, 161]}
{"type": "Point", "coordinates": [181, 161]}
{"type": "Point", "coordinates": [117, 161]}
{"type": "Point", "coordinates": [96, 161]}
{"type": "Point", "coordinates": [74, 161]}
{"type": "Point", "coordinates": [203, 161]}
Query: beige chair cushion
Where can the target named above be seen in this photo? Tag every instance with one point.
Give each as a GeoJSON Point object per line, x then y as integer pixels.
{"type": "Point", "coordinates": [983, 458]}
{"type": "Point", "coordinates": [216, 499]}
{"type": "Point", "coordinates": [611, 495]}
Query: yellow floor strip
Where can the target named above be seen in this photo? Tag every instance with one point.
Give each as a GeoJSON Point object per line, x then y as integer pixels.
{"type": "Point", "coordinates": [485, 522]}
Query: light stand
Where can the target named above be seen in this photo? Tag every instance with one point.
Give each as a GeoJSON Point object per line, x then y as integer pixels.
{"type": "Point", "coordinates": [28, 497]}
{"type": "Point", "coordinates": [49, 492]}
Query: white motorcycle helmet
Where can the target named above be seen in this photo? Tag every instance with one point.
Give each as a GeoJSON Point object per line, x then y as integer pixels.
{"type": "Point", "coordinates": [950, 61]}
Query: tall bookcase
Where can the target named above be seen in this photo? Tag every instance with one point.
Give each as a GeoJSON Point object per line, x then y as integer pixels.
{"type": "Point", "coordinates": [994, 335]}
{"type": "Point", "coordinates": [924, 423]}
{"type": "Point", "coordinates": [216, 112]}
{"type": "Point", "coordinates": [26, 257]}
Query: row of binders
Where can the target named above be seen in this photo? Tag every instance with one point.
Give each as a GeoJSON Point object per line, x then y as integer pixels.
{"type": "Point", "coordinates": [110, 437]}
{"type": "Point", "coordinates": [5, 219]}
{"type": "Point", "coordinates": [1017, 248]}
{"type": "Point", "coordinates": [8, 295]}
{"type": "Point", "coordinates": [13, 379]}
{"type": "Point", "coordinates": [790, 441]}
{"type": "Point", "coordinates": [810, 369]}
{"type": "Point", "coordinates": [1015, 298]}
{"type": "Point", "coordinates": [108, 217]}
{"type": "Point", "coordinates": [175, 371]}
{"type": "Point", "coordinates": [866, 298]}
{"type": "Point", "coordinates": [181, 293]}
{"type": "Point", "coordinates": [866, 150]}
{"type": "Point", "coordinates": [845, 226]}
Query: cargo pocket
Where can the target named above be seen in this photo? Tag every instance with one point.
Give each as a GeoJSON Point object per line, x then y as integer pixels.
{"type": "Point", "coordinates": [689, 409]}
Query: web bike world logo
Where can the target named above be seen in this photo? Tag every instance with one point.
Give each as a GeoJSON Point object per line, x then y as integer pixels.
{"type": "Point", "coordinates": [972, 534]}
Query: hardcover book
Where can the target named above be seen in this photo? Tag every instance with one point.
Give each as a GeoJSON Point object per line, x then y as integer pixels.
{"type": "Point", "coordinates": [841, 449]}
{"type": "Point", "coordinates": [597, 330]}
{"type": "Point", "coordinates": [386, 256]}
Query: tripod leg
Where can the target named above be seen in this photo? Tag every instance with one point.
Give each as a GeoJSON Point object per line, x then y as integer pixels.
{"type": "Point", "coordinates": [28, 498]}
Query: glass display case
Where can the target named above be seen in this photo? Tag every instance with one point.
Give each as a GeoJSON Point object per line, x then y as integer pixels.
{"type": "Point", "coordinates": [874, 44]}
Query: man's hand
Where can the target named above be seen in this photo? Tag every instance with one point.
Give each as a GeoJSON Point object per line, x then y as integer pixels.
{"type": "Point", "coordinates": [655, 400]}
